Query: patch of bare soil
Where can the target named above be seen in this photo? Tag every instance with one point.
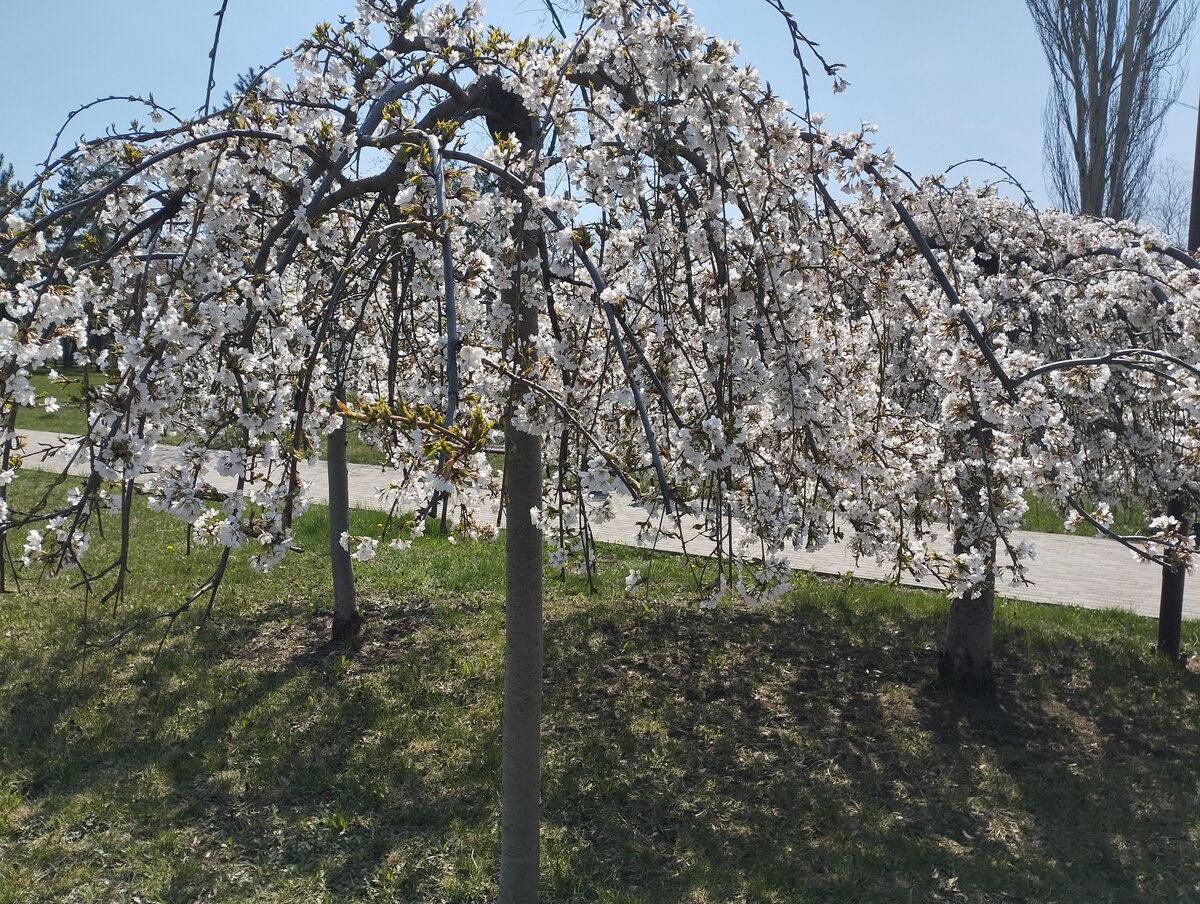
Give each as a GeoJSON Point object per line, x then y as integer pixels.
{"type": "Point", "coordinates": [387, 636]}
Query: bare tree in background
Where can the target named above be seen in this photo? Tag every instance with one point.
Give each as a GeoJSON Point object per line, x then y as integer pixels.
{"type": "Point", "coordinates": [1115, 68]}
{"type": "Point", "coordinates": [1170, 200]}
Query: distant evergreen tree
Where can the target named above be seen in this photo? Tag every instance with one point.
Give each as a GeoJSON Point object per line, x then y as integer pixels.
{"type": "Point", "coordinates": [10, 188]}
{"type": "Point", "coordinates": [242, 84]}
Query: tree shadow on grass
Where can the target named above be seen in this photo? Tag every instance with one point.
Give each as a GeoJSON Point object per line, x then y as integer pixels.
{"type": "Point", "coordinates": [795, 754]}
{"type": "Point", "coordinates": [790, 756]}
{"type": "Point", "coordinates": [287, 759]}
{"type": "Point", "coordinates": [1099, 760]}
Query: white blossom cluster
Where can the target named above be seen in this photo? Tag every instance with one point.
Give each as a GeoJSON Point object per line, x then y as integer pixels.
{"type": "Point", "coordinates": [739, 314]}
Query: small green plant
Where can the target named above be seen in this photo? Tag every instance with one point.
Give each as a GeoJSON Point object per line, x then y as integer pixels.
{"type": "Point", "coordinates": [336, 667]}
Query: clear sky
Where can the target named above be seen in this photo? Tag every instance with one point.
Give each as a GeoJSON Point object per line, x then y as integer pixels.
{"type": "Point", "coordinates": [944, 80]}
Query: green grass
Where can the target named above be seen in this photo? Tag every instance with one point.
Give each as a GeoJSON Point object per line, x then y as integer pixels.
{"type": "Point", "coordinates": [70, 417]}
{"type": "Point", "coordinates": [1128, 520]}
{"type": "Point", "coordinates": [801, 753]}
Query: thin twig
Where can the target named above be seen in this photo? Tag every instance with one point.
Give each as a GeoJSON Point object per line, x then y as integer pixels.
{"type": "Point", "coordinates": [212, 57]}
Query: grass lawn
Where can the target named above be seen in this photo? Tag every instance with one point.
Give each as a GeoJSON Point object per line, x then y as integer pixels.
{"type": "Point", "coordinates": [70, 416]}
{"type": "Point", "coordinates": [800, 753]}
{"type": "Point", "coordinates": [1128, 520]}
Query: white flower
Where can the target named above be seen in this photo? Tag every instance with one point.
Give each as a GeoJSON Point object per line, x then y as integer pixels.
{"type": "Point", "coordinates": [471, 358]}
{"type": "Point", "coordinates": [232, 463]}
{"type": "Point", "coordinates": [632, 580]}
{"type": "Point", "coordinates": [33, 547]}
{"type": "Point", "coordinates": [365, 550]}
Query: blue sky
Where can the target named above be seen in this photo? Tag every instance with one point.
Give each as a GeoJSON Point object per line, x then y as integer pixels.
{"type": "Point", "coordinates": [943, 80]}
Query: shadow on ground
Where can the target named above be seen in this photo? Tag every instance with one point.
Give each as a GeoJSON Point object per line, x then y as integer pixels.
{"type": "Point", "coordinates": [792, 755]}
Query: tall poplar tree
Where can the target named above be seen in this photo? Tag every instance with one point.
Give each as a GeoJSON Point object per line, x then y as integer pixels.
{"type": "Point", "coordinates": [1115, 70]}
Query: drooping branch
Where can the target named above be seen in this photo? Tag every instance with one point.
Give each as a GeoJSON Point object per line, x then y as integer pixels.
{"type": "Point", "coordinates": [601, 286]}
{"type": "Point", "coordinates": [1126, 357]}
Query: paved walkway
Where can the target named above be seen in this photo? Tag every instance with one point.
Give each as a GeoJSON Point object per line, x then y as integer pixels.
{"type": "Point", "coordinates": [1081, 571]}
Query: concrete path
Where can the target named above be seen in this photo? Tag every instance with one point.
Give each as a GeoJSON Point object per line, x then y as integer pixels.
{"type": "Point", "coordinates": [1068, 570]}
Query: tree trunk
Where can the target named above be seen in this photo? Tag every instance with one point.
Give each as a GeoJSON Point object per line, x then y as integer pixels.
{"type": "Point", "coordinates": [346, 620]}
{"type": "Point", "coordinates": [520, 782]}
{"type": "Point", "coordinates": [1170, 600]}
{"type": "Point", "coordinates": [965, 663]}
{"type": "Point", "coordinates": [520, 815]}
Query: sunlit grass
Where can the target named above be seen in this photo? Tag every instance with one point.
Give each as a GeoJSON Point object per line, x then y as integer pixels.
{"type": "Point", "coordinates": [1128, 519]}
{"type": "Point", "coordinates": [70, 417]}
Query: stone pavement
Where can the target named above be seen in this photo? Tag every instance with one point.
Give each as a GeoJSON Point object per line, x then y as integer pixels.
{"type": "Point", "coordinates": [1068, 570]}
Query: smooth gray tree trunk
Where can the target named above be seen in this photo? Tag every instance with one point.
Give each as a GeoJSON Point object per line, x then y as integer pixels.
{"type": "Point", "coordinates": [965, 661]}
{"type": "Point", "coordinates": [520, 814]}
{"type": "Point", "coordinates": [521, 780]}
{"type": "Point", "coordinates": [346, 619]}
